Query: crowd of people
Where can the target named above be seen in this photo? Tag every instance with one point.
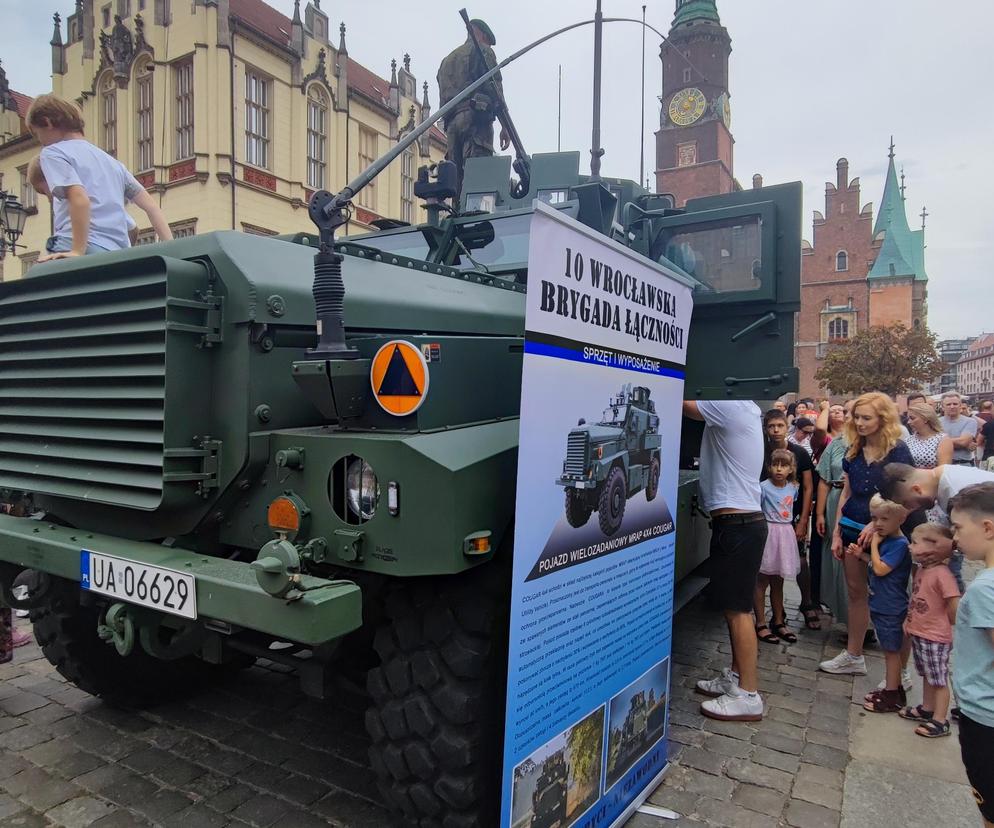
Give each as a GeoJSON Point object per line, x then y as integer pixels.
{"type": "Point", "coordinates": [872, 511]}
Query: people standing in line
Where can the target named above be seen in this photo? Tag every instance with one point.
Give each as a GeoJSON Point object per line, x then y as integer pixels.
{"type": "Point", "coordinates": [960, 427]}
{"type": "Point", "coordinates": [915, 398]}
{"type": "Point", "coordinates": [780, 559]}
{"type": "Point", "coordinates": [972, 515]}
{"type": "Point", "coordinates": [731, 462]}
{"type": "Point", "coordinates": [986, 439]}
{"type": "Point", "coordinates": [802, 434]}
{"type": "Point", "coordinates": [928, 445]}
{"type": "Point", "coordinates": [889, 564]}
{"type": "Point", "coordinates": [775, 427]}
{"type": "Point", "coordinates": [89, 188]}
{"type": "Point", "coordinates": [833, 593]}
{"type": "Point", "coordinates": [873, 435]}
{"type": "Point", "coordinates": [931, 614]}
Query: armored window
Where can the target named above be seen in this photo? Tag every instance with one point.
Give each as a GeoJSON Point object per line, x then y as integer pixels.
{"type": "Point", "coordinates": [29, 198]}
{"type": "Point", "coordinates": [257, 90]}
{"type": "Point", "coordinates": [108, 114]}
{"type": "Point", "coordinates": [317, 137]}
{"type": "Point", "coordinates": [838, 329]}
{"type": "Point", "coordinates": [183, 84]}
{"type": "Point", "coordinates": [143, 101]}
{"type": "Point", "coordinates": [841, 260]}
{"type": "Point", "coordinates": [407, 186]}
{"type": "Point", "coordinates": [367, 155]}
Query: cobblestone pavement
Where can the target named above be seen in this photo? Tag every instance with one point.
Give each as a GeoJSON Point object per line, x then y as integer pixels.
{"type": "Point", "coordinates": [257, 752]}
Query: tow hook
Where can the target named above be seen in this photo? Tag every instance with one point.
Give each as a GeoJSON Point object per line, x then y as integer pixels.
{"type": "Point", "coordinates": [118, 629]}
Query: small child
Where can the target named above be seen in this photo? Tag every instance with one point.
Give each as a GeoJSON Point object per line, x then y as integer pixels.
{"type": "Point", "coordinates": [88, 187]}
{"type": "Point", "coordinates": [890, 567]}
{"type": "Point", "coordinates": [972, 517]}
{"type": "Point", "coordinates": [780, 558]}
{"type": "Point", "coordinates": [931, 613]}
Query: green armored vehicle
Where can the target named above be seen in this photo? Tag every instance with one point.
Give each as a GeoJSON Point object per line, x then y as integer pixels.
{"type": "Point", "coordinates": [608, 462]}
{"type": "Point", "coordinates": [549, 797]}
{"type": "Point", "coordinates": [194, 471]}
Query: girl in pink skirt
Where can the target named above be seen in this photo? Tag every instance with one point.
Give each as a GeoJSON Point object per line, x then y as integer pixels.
{"type": "Point", "coordinates": [780, 558]}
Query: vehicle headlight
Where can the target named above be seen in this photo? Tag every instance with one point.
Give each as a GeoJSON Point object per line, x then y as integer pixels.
{"type": "Point", "coordinates": [362, 488]}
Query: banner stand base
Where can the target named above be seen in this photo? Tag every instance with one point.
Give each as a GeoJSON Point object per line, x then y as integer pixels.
{"type": "Point", "coordinates": [639, 801]}
{"type": "Point", "coordinates": [655, 810]}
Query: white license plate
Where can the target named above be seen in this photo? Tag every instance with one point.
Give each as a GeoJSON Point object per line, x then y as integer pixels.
{"type": "Point", "coordinates": [149, 586]}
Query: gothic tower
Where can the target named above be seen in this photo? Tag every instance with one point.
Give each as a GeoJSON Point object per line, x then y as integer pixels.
{"type": "Point", "coordinates": [694, 144]}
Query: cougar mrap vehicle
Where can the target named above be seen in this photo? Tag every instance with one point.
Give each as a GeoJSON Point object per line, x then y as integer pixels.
{"type": "Point", "coordinates": [195, 470]}
{"type": "Point", "coordinates": [608, 462]}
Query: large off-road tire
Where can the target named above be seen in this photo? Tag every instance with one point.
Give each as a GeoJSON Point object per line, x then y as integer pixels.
{"type": "Point", "coordinates": [652, 484]}
{"type": "Point", "coordinates": [577, 510]}
{"type": "Point", "coordinates": [437, 710]}
{"type": "Point", "coordinates": [611, 504]}
{"type": "Point", "coordinates": [67, 634]}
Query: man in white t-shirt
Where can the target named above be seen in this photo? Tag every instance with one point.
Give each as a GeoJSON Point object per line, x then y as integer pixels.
{"type": "Point", "coordinates": [731, 463]}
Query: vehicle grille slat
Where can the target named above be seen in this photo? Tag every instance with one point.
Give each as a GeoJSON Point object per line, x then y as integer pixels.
{"type": "Point", "coordinates": [576, 453]}
{"type": "Point", "coordinates": [82, 385]}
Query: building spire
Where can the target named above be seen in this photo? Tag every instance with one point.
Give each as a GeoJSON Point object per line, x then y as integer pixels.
{"type": "Point", "coordinates": [924, 214]}
{"type": "Point", "coordinates": [891, 154]}
{"type": "Point", "coordinates": [903, 186]}
{"type": "Point", "coordinates": [57, 34]}
{"type": "Point", "coordinates": [341, 42]}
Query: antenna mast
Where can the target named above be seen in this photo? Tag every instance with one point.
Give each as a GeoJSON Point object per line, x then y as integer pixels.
{"type": "Point", "coordinates": [596, 151]}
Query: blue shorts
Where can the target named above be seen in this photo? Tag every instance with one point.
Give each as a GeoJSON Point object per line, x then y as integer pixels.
{"type": "Point", "coordinates": [63, 244]}
{"type": "Point", "coordinates": [890, 630]}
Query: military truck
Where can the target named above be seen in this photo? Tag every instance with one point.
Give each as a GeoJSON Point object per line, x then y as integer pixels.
{"type": "Point", "coordinates": [218, 444]}
{"type": "Point", "coordinates": [612, 460]}
{"type": "Point", "coordinates": [549, 796]}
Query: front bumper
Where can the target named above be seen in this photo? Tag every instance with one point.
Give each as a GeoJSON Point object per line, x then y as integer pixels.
{"type": "Point", "coordinates": [227, 591]}
{"type": "Point", "coordinates": [574, 483]}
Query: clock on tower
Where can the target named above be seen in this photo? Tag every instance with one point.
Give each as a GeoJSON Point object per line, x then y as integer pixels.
{"type": "Point", "coordinates": [694, 144]}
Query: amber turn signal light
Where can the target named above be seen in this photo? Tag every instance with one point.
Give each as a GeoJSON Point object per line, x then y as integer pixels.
{"type": "Point", "coordinates": [283, 515]}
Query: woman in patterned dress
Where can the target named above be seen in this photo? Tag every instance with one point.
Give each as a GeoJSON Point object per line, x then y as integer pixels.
{"type": "Point", "coordinates": [929, 447]}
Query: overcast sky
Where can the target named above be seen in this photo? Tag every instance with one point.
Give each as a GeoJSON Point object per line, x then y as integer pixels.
{"type": "Point", "coordinates": [810, 81]}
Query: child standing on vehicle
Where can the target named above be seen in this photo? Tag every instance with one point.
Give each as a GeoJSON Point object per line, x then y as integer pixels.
{"type": "Point", "coordinates": [889, 563]}
{"type": "Point", "coordinates": [780, 556]}
{"type": "Point", "coordinates": [931, 613]}
{"type": "Point", "coordinates": [972, 518]}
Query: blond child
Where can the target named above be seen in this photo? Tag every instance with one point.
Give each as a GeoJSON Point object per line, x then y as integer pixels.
{"type": "Point", "coordinates": [931, 613]}
{"type": "Point", "coordinates": [780, 556]}
{"type": "Point", "coordinates": [889, 563]}
{"type": "Point", "coordinates": [88, 187]}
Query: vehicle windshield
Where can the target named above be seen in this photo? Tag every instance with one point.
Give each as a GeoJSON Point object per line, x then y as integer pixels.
{"type": "Point", "coordinates": [723, 256]}
{"type": "Point", "coordinates": [615, 415]}
{"type": "Point", "coordinates": [411, 243]}
{"type": "Point", "coordinates": [507, 246]}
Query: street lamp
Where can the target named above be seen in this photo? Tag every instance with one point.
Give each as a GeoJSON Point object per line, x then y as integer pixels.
{"type": "Point", "coordinates": [12, 219]}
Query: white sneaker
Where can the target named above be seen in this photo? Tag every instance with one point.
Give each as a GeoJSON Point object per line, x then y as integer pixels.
{"type": "Point", "coordinates": [845, 664]}
{"type": "Point", "coordinates": [718, 686]}
{"type": "Point", "coordinates": [905, 681]}
{"type": "Point", "coordinates": [737, 706]}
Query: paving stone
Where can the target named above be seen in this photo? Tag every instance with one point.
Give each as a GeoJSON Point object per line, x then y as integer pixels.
{"type": "Point", "coordinates": [22, 702]}
{"type": "Point", "coordinates": [698, 782]}
{"type": "Point", "coordinates": [763, 800]}
{"type": "Point", "coordinates": [40, 789]}
{"type": "Point", "coordinates": [261, 810]}
{"type": "Point", "coordinates": [350, 810]}
{"type": "Point", "coordinates": [12, 722]}
{"type": "Point", "coordinates": [734, 730]}
{"type": "Point", "coordinates": [702, 760]}
{"type": "Point", "coordinates": [685, 719]}
{"type": "Point", "coordinates": [161, 804]}
{"type": "Point", "coordinates": [817, 794]}
{"type": "Point", "coordinates": [787, 703]}
{"type": "Point", "coordinates": [839, 740]}
{"type": "Point", "coordinates": [775, 759]}
{"type": "Point", "coordinates": [682, 802]}
{"type": "Point", "coordinates": [120, 819]}
{"type": "Point", "coordinates": [782, 714]}
{"type": "Point", "coordinates": [747, 771]}
{"type": "Point", "coordinates": [101, 778]}
{"type": "Point", "coordinates": [775, 728]}
{"type": "Point", "coordinates": [26, 819]}
{"type": "Point", "coordinates": [46, 754]}
{"type": "Point", "coordinates": [802, 814]}
{"type": "Point", "coordinates": [130, 790]}
{"type": "Point", "coordinates": [725, 813]}
{"type": "Point", "coordinates": [47, 715]}
{"type": "Point", "coordinates": [302, 790]}
{"type": "Point", "coordinates": [686, 735]}
{"type": "Point", "coordinates": [775, 741]}
{"type": "Point", "coordinates": [196, 816]}
{"type": "Point", "coordinates": [24, 737]}
{"type": "Point", "coordinates": [230, 798]}
{"type": "Point", "coordinates": [820, 776]}
{"type": "Point", "coordinates": [828, 757]}
{"type": "Point", "coordinates": [10, 764]}
{"type": "Point", "coordinates": [9, 806]}
{"type": "Point", "coordinates": [80, 812]}
{"type": "Point", "coordinates": [726, 746]}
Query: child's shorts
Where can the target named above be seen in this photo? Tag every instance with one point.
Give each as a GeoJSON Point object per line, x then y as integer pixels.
{"type": "Point", "coordinates": [931, 660]}
{"type": "Point", "coordinates": [890, 630]}
{"type": "Point", "coordinates": [976, 742]}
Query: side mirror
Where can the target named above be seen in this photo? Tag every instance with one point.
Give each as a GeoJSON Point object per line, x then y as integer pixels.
{"type": "Point", "coordinates": [581, 422]}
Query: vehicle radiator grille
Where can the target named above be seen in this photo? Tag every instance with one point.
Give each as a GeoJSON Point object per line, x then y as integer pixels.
{"type": "Point", "coordinates": [82, 387]}
{"type": "Point", "coordinates": [576, 453]}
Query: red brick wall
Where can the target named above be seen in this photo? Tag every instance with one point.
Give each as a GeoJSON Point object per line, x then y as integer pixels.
{"type": "Point", "coordinates": [890, 302]}
{"type": "Point", "coordinates": [699, 180]}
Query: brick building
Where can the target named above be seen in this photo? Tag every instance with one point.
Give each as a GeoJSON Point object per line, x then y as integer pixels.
{"type": "Point", "coordinates": [857, 272]}
{"type": "Point", "coordinates": [694, 144]}
{"type": "Point", "coordinates": [975, 369]}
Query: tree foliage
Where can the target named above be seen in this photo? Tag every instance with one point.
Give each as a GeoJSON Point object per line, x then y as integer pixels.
{"type": "Point", "coordinates": [586, 742]}
{"type": "Point", "coordinates": [891, 359]}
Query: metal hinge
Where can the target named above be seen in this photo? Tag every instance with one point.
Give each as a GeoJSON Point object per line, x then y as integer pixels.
{"type": "Point", "coordinates": [209, 454]}
{"type": "Point", "coordinates": [211, 305]}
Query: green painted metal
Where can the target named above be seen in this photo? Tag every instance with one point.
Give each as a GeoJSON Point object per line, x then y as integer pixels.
{"type": "Point", "coordinates": [226, 590]}
{"type": "Point", "coordinates": [689, 11]}
{"type": "Point", "coordinates": [903, 250]}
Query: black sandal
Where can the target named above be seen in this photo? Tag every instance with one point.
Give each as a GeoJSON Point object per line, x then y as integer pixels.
{"type": "Point", "coordinates": [812, 620]}
{"type": "Point", "coordinates": [784, 632]}
{"type": "Point", "coordinates": [769, 638]}
{"type": "Point", "coordinates": [916, 714]}
{"type": "Point", "coordinates": [932, 729]}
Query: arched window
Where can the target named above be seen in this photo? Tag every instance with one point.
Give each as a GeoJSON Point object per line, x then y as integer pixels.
{"type": "Point", "coordinates": [842, 260]}
{"type": "Point", "coordinates": [108, 113]}
{"type": "Point", "coordinates": [838, 329]}
{"type": "Point", "coordinates": [144, 121]}
{"type": "Point", "coordinates": [317, 136]}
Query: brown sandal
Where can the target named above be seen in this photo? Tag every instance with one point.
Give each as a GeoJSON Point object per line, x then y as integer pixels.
{"type": "Point", "coordinates": [769, 638]}
{"type": "Point", "coordinates": [886, 701]}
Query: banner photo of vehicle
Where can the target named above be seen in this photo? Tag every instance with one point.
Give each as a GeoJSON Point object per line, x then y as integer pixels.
{"type": "Point", "coordinates": [595, 541]}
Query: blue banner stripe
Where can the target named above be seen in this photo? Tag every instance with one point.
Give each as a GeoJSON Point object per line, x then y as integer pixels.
{"type": "Point", "coordinates": [644, 366]}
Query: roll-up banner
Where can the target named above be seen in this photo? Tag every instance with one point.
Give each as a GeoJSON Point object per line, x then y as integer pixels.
{"type": "Point", "coordinates": [594, 544]}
